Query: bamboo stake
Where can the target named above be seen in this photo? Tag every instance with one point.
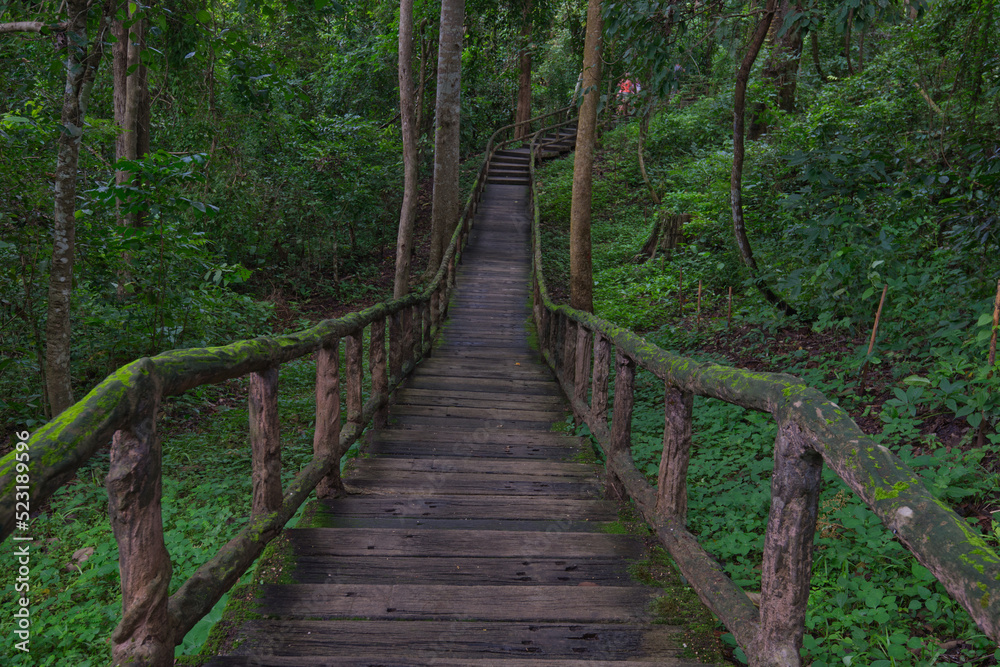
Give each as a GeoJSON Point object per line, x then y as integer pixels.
{"type": "Point", "coordinates": [729, 310]}
{"type": "Point", "coordinates": [699, 307]}
{"type": "Point", "coordinates": [871, 342]}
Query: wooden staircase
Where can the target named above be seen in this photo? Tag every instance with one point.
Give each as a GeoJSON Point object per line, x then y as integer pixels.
{"type": "Point", "coordinates": [510, 166]}
{"type": "Point", "coordinates": [471, 536]}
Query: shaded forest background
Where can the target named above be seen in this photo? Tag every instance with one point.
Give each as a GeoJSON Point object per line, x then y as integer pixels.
{"type": "Point", "coordinates": [270, 195]}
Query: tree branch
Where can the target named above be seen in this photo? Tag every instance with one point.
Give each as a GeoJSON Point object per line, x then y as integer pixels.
{"type": "Point", "coordinates": [31, 26]}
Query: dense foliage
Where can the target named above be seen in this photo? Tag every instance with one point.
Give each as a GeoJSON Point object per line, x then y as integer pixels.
{"type": "Point", "coordinates": [273, 179]}
{"type": "Point", "coordinates": [887, 176]}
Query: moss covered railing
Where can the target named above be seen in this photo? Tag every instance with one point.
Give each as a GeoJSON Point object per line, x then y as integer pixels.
{"type": "Point", "coordinates": [121, 411]}
{"type": "Point", "coordinates": [811, 431]}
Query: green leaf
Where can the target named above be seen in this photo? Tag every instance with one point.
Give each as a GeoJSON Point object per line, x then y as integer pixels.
{"type": "Point", "coordinates": [203, 15]}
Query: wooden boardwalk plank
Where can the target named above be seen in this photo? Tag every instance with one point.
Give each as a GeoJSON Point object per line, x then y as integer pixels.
{"type": "Point", "coordinates": [464, 571]}
{"type": "Point", "coordinates": [458, 639]}
{"type": "Point", "coordinates": [377, 542]}
{"type": "Point", "coordinates": [569, 604]}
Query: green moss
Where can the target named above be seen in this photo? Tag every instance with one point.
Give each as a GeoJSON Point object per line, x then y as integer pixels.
{"type": "Point", "coordinates": [882, 494]}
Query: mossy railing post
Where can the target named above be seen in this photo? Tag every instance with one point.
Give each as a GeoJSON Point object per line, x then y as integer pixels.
{"type": "Point", "coordinates": [788, 549]}
{"type": "Point", "coordinates": [621, 421]}
{"type": "Point", "coordinates": [379, 372]}
{"type": "Point", "coordinates": [144, 635]}
{"type": "Point", "coordinates": [599, 383]}
{"type": "Point", "coordinates": [326, 439]}
{"type": "Point", "coordinates": [671, 489]}
{"type": "Point", "coordinates": [406, 337]}
{"type": "Point", "coordinates": [436, 310]}
{"type": "Point", "coordinates": [418, 332]}
{"type": "Point", "coordinates": [354, 350]}
{"type": "Point", "coordinates": [265, 441]}
{"type": "Point", "coordinates": [395, 347]}
{"type": "Point", "coordinates": [425, 319]}
{"type": "Point", "coordinates": [568, 355]}
{"type": "Point", "coordinates": [581, 373]}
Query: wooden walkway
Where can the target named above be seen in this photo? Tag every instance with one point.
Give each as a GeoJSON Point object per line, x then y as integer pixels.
{"type": "Point", "coordinates": [471, 536]}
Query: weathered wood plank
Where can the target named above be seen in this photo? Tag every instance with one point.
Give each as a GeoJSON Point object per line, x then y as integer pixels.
{"type": "Point", "coordinates": [416, 448]}
{"type": "Point", "coordinates": [573, 604]}
{"type": "Point", "coordinates": [464, 571]}
{"type": "Point", "coordinates": [459, 640]}
{"type": "Point", "coordinates": [479, 436]}
{"type": "Point", "coordinates": [477, 507]}
{"type": "Point", "coordinates": [472, 484]}
{"type": "Point", "coordinates": [543, 387]}
{"type": "Point", "coordinates": [496, 525]}
{"type": "Point", "coordinates": [523, 413]}
{"type": "Point", "coordinates": [476, 399]}
{"type": "Point", "coordinates": [393, 466]}
{"type": "Point", "coordinates": [430, 661]}
{"type": "Point", "coordinates": [451, 543]}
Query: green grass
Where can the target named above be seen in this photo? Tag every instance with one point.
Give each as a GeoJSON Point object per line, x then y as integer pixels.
{"type": "Point", "coordinates": [871, 602]}
{"type": "Point", "coordinates": [206, 500]}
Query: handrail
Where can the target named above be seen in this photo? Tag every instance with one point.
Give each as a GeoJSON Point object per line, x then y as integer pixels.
{"type": "Point", "coordinates": [811, 430]}
{"type": "Point", "coordinates": [123, 407]}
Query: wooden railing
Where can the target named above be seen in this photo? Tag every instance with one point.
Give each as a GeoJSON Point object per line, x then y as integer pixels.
{"type": "Point", "coordinates": [811, 430]}
{"type": "Point", "coordinates": [122, 409]}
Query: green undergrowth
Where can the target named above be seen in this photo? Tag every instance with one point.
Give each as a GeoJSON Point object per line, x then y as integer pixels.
{"type": "Point", "coordinates": [75, 592]}
{"type": "Point", "coordinates": [871, 603]}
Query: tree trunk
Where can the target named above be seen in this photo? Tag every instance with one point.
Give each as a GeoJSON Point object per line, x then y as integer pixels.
{"type": "Point", "coordinates": [524, 81]}
{"type": "Point", "coordinates": [408, 211]}
{"type": "Point", "coordinates": [847, 41]}
{"type": "Point", "coordinates": [814, 41]}
{"type": "Point", "coordinates": [783, 64]}
{"type": "Point", "coordinates": [445, 204]}
{"type": "Point", "coordinates": [81, 65]}
{"type": "Point", "coordinates": [739, 151]}
{"type": "Point", "coordinates": [581, 284]}
{"type": "Point", "coordinates": [131, 95]}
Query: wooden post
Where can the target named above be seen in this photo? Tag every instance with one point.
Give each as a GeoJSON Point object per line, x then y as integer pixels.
{"type": "Point", "coordinates": [406, 340]}
{"type": "Point", "coordinates": [395, 347]}
{"type": "Point", "coordinates": [377, 368]}
{"type": "Point", "coordinates": [435, 312]}
{"type": "Point", "coordinates": [788, 547]}
{"type": "Point", "coordinates": [265, 441]}
{"type": "Point", "coordinates": [871, 343]}
{"type": "Point", "coordinates": [599, 384]}
{"type": "Point", "coordinates": [443, 303]}
{"type": "Point", "coordinates": [543, 330]}
{"type": "Point", "coordinates": [451, 272]}
{"type": "Point", "coordinates": [326, 438]}
{"type": "Point", "coordinates": [425, 316]}
{"type": "Point", "coordinates": [555, 342]}
{"type": "Point", "coordinates": [418, 331]}
{"type": "Point", "coordinates": [144, 635]}
{"type": "Point", "coordinates": [355, 376]}
{"type": "Point", "coordinates": [568, 365]}
{"type": "Point", "coordinates": [621, 421]}
{"type": "Point", "coordinates": [581, 373]}
{"type": "Point", "coordinates": [671, 490]}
